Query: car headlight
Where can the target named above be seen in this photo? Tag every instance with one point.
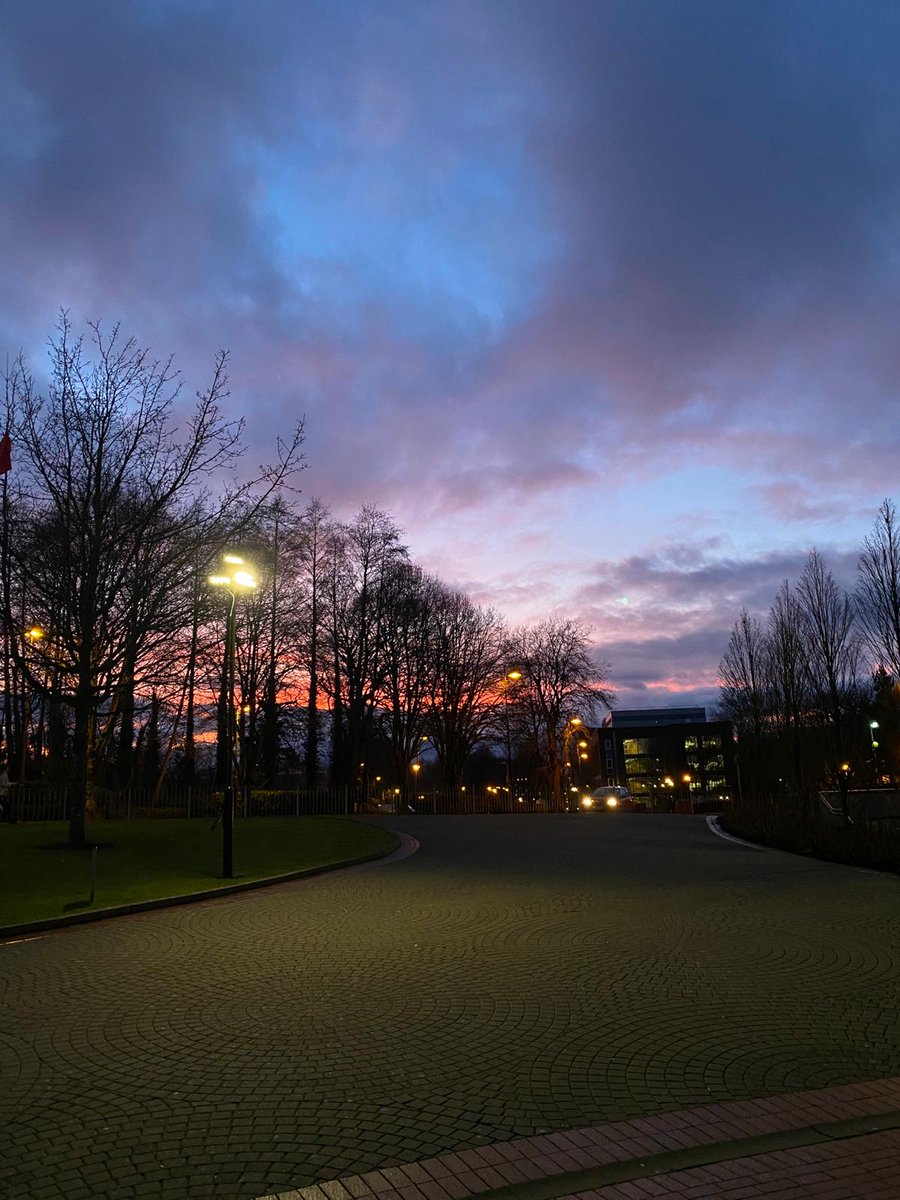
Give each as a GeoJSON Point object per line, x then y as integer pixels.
{"type": "Point", "coordinates": [612, 802]}
{"type": "Point", "coordinates": [587, 801]}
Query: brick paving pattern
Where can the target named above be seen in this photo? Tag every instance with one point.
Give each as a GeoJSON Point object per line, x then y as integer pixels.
{"type": "Point", "coordinates": [516, 977]}
{"type": "Point", "coordinates": [854, 1166]}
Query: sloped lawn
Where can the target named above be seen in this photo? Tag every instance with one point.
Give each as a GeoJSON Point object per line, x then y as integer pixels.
{"type": "Point", "coordinates": [152, 859]}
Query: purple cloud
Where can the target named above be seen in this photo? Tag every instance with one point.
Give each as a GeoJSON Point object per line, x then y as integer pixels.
{"type": "Point", "coordinates": [599, 300]}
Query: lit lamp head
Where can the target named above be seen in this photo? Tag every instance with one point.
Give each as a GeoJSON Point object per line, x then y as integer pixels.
{"type": "Point", "coordinates": [237, 578]}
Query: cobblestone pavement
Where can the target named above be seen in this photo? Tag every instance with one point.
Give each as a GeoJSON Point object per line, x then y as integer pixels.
{"type": "Point", "coordinates": [516, 976]}
{"type": "Point", "coordinates": [839, 1143]}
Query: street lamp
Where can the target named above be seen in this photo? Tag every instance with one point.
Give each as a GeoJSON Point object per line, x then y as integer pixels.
{"type": "Point", "coordinates": [575, 728]}
{"type": "Point", "coordinates": [232, 580]}
{"type": "Point", "coordinates": [873, 725]}
{"type": "Point", "coordinates": [509, 679]}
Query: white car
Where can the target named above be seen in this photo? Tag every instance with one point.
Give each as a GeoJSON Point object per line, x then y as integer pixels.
{"type": "Point", "coordinates": [607, 799]}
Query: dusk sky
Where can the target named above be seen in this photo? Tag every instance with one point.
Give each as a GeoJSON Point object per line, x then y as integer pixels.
{"type": "Point", "coordinates": [599, 300]}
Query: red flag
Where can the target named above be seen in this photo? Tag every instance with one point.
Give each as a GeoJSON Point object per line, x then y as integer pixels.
{"type": "Point", "coordinates": [5, 454]}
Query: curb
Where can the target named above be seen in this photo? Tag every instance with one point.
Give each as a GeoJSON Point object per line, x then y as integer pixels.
{"type": "Point", "coordinates": [568, 1183]}
{"type": "Point", "coordinates": [576, 1163]}
{"type": "Point", "coordinates": [123, 910]}
{"type": "Point", "coordinates": [712, 824]}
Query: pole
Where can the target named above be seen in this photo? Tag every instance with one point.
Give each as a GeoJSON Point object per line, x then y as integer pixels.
{"type": "Point", "coordinates": [508, 741]}
{"type": "Point", "coordinates": [228, 807]}
{"type": "Point", "coordinates": [873, 725]}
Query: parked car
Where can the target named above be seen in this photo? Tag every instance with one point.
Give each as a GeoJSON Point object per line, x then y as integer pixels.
{"type": "Point", "coordinates": [607, 799]}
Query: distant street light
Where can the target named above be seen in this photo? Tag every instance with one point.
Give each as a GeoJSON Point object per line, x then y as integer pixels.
{"type": "Point", "coordinates": [575, 728]}
{"type": "Point", "coordinates": [232, 581]}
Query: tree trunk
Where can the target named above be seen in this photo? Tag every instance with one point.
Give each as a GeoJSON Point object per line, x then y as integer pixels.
{"type": "Point", "coordinates": [312, 700]}
{"type": "Point", "coordinates": [82, 792]}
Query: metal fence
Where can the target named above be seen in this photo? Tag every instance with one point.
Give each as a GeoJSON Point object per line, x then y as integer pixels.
{"type": "Point", "coordinates": [864, 806]}
{"type": "Point", "coordinates": [40, 802]}
{"type": "Point", "coordinates": [468, 801]}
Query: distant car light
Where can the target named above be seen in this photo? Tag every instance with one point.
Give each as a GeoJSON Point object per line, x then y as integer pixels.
{"type": "Point", "coordinates": [587, 802]}
{"type": "Point", "coordinates": [612, 802]}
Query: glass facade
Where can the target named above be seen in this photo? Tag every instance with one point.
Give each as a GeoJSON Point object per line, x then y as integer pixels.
{"type": "Point", "coordinates": [667, 764]}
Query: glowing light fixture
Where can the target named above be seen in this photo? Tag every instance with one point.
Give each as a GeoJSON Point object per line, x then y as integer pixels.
{"type": "Point", "coordinates": [231, 582]}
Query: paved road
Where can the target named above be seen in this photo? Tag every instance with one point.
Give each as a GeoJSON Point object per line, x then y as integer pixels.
{"type": "Point", "coordinates": [517, 975]}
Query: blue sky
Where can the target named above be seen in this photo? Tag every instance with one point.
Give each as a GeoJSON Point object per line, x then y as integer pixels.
{"type": "Point", "coordinates": [599, 299]}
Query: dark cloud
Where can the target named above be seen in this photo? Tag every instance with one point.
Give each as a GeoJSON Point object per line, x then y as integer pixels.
{"type": "Point", "coordinates": [543, 277]}
{"type": "Point", "coordinates": [663, 620]}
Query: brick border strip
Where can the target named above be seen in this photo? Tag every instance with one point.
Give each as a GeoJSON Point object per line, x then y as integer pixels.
{"type": "Point", "coordinates": [575, 1160]}
{"type": "Point", "coordinates": [708, 1154]}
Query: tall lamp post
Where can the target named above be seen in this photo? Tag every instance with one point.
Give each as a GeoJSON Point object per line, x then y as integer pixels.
{"type": "Point", "coordinates": [873, 725]}
{"type": "Point", "coordinates": [232, 580]}
{"type": "Point", "coordinates": [510, 678]}
{"type": "Point", "coordinates": [575, 728]}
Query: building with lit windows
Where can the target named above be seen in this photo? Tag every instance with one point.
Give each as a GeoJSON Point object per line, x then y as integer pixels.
{"type": "Point", "coordinates": [670, 759]}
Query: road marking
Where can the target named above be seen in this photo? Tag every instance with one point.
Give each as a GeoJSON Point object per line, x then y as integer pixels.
{"type": "Point", "coordinates": [712, 824]}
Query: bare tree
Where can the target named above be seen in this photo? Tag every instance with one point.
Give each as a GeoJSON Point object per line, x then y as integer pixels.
{"type": "Point", "coordinates": [561, 680]}
{"type": "Point", "coordinates": [316, 538]}
{"type": "Point", "coordinates": [408, 644]}
{"type": "Point", "coordinates": [469, 649]}
{"type": "Point", "coordinates": [878, 589]}
{"type": "Point", "coordinates": [788, 678]}
{"type": "Point", "coordinates": [119, 516]}
{"type": "Point", "coordinates": [269, 644]}
{"type": "Point", "coordinates": [363, 552]}
{"type": "Point", "coordinates": [833, 651]}
{"type": "Point", "coordinates": [742, 693]}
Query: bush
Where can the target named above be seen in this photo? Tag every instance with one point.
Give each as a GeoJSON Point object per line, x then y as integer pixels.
{"type": "Point", "coordinates": [873, 844]}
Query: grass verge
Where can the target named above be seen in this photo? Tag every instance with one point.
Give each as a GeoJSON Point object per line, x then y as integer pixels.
{"type": "Point", "coordinates": [153, 859]}
{"type": "Point", "coordinates": [874, 844]}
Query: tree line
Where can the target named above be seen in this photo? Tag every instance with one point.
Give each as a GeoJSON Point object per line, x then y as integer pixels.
{"type": "Point", "coordinates": [814, 689]}
{"type": "Point", "coordinates": [116, 510]}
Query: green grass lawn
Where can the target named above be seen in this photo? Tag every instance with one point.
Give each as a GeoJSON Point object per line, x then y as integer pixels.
{"type": "Point", "coordinates": [152, 859]}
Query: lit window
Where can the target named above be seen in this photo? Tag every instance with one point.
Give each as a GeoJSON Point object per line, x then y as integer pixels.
{"type": "Point", "coordinates": [636, 745]}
